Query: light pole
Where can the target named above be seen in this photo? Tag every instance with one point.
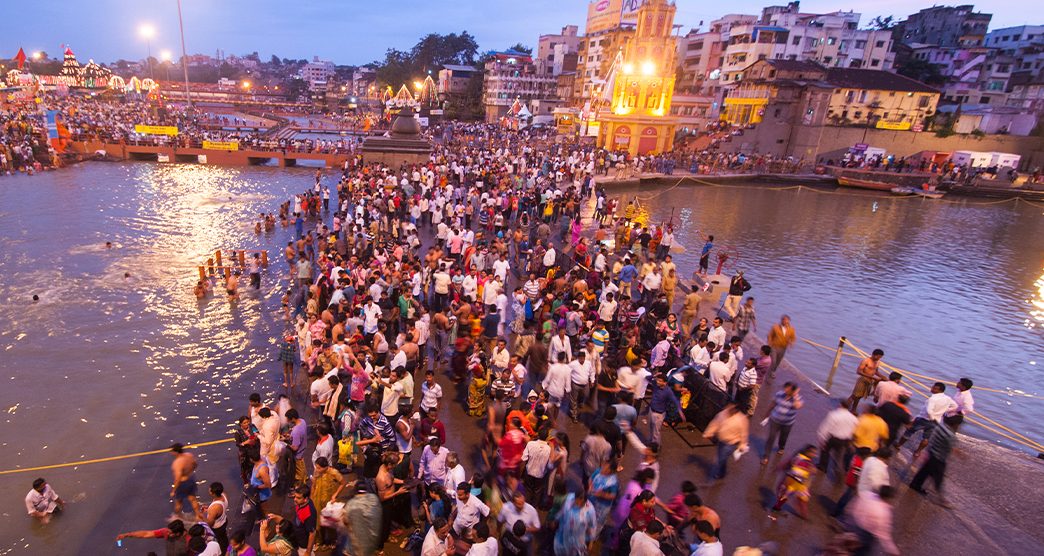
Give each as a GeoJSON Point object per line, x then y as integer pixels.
{"type": "Point", "coordinates": [147, 31]}
{"type": "Point", "coordinates": [165, 57]}
{"type": "Point", "coordinates": [184, 56]}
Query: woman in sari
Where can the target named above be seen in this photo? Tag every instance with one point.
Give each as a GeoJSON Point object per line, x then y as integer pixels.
{"type": "Point", "coordinates": [478, 387]}
{"type": "Point", "coordinates": [575, 228]}
{"type": "Point", "coordinates": [602, 491]}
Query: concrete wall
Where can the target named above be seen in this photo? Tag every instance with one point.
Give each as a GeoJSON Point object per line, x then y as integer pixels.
{"type": "Point", "coordinates": [815, 142]}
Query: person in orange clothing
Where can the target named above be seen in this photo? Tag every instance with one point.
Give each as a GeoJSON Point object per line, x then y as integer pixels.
{"type": "Point", "coordinates": [780, 338]}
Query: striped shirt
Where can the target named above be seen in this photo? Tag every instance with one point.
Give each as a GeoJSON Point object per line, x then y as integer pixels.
{"type": "Point", "coordinates": [784, 412]}
{"type": "Point", "coordinates": [941, 442]}
{"type": "Point", "coordinates": [748, 377]}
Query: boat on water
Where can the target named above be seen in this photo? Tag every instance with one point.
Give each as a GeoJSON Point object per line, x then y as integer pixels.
{"type": "Point", "coordinates": [907, 191]}
{"type": "Point", "coordinates": [865, 184]}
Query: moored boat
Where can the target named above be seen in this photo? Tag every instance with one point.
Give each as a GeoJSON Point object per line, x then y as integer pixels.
{"type": "Point", "coordinates": [865, 184]}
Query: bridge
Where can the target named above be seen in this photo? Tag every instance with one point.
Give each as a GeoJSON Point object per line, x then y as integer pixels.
{"type": "Point", "coordinates": [286, 157]}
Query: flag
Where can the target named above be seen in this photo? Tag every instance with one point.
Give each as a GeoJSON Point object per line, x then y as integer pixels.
{"type": "Point", "coordinates": [20, 58]}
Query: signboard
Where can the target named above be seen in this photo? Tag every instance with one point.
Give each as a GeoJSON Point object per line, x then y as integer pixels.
{"type": "Point", "coordinates": [895, 126]}
{"type": "Point", "coordinates": [603, 15]}
{"type": "Point", "coordinates": [423, 121]}
{"type": "Point", "coordinates": [221, 145]}
{"type": "Point", "coordinates": [437, 112]}
{"type": "Point", "coordinates": [156, 129]}
{"type": "Point", "coordinates": [629, 11]}
{"type": "Point", "coordinates": [52, 124]}
{"type": "Point", "coordinates": [860, 147]}
{"type": "Point", "coordinates": [593, 128]}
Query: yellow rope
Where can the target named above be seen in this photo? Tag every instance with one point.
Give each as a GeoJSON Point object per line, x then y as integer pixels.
{"type": "Point", "coordinates": [113, 458]}
{"type": "Point", "coordinates": [1014, 436]}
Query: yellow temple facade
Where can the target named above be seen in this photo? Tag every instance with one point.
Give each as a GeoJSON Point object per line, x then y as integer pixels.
{"type": "Point", "coordinates": [639, 120]}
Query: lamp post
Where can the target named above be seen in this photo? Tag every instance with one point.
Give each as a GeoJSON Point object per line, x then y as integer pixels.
{"type": "Point", "coordinates": [184, 56]}
{"type": "Point", "coordinates": [165, 57]}
{"type": "Point", "coordinates": [147, 31]}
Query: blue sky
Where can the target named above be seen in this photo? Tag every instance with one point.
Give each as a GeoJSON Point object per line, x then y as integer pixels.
{"type": "Point", "coordinates": [357, 32]}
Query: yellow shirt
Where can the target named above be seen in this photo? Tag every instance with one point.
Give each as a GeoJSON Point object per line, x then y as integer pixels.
{"type": "Point", "coordinates": [869, 432]}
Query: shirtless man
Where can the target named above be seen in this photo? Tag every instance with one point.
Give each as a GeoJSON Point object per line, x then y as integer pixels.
{"type": "Point", "coordinates": [232, 286]}
{"type": "Point", "coordinates": [200, 290]}
{"type": "Point", "coordinates": [184, 470]}
{"type": "Point", "coordinates": [867, 379]}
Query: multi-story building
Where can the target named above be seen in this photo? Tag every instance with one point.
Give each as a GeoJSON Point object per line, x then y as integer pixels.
{"type": "Point", "coordinates": [1011, 39]}
{"type": "Point", "coordinates": [953, 26]}
{"type": "Point", "coordinates": [511, 76]}
{"type": "Point", "coordinates": [828, 96]}
{"type": "Point", "coordinates": [364, 82]}
{"type": "Point", "coordinates": [560, 51]}
{"type": "Point", "coordinates": [453, 79]}
{"type": "Point", "coordinates": [317, 71]}
{"type": "Point", "coordinates": [718, 56]}
{"type": "Point", "coordinates": [609, 27]}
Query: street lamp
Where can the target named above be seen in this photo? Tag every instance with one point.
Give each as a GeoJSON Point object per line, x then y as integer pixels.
{"type": "Point", "coordinates": [147, 31]}
{"type": "Point", "coordinates": [37, 55]}
{"type": "Point", "coordinates": [165, 57]}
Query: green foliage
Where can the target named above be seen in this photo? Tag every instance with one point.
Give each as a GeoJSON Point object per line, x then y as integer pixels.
{"type": "Point", "coordinates": [922, 71]}
{"type": "Point", "coordinates": [945, 131]}
{"type": "Point", "coordinates": [429, 54]}
{"type": "Point", "coordinates": [978, 133]}
{"type": "Point", "coordinates": [519, 47]}
{"type": "Point", "coordinates": [881, 23]}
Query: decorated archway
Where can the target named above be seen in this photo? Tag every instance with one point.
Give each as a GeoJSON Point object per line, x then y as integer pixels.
{"type": "Point", "coordinates": [647, 141]}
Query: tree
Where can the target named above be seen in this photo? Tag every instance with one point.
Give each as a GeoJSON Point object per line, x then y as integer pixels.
{"type": "Point", "coordinates": [882, 23]}
{"type": "Point", "coordinates": [430, 53]}
{"type": "Point", "coordinates": [519, 47]}
{"type": "Point", "coordinates": [275, 61]}
{"type": "Point", "coordinates": [922, 70]}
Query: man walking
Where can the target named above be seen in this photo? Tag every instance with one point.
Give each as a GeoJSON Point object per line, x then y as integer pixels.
{"type": "Point", "coordinates": [729, 429]}
{"type": "Point", "coordinates": [940, 445]}
{"type": "Point", "coordinates": [781, 419]}
{"type": "Point", "coordinates": [781, 337]}
{"type": "Point", "coordinates": [737, 287]}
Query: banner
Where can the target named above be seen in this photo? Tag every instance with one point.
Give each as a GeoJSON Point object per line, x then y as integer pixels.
{"type": "Point", "coordinates": [52, 124]}
{"type": "Point", "coordinates": [156, 129]}
{"type": "Point", "coordinates": [221, 145]}
{"type": "Point", "coordinates": [897, 126]}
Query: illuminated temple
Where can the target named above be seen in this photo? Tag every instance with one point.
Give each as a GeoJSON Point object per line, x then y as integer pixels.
{"type": "Point", "coordinates": [643, 86]}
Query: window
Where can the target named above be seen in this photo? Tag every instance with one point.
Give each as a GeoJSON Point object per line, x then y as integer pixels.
{"type": "Point", "coordinates": [796, 40]}
{"type": "Point", "coordinates": [827, 59]}
{"type": "Point", "coordinates": [849, 97]}
{"type": "Point", "coordinates": [831, 40]}
{"type": "Point", "coordinates": [923, 100]}
{"type": "Point", "coordinates": [879, 44]}
{"type": "Point", "coordinates": [860, 44]}
{"type": "Point", "coordinates": [875, 62]}
{"type": "Point", "coordinates": [984, 100]}
{"type": "Point", "coordinates": [862, 97]}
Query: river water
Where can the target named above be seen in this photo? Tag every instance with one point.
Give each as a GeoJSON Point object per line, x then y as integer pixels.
{"type": "Point", "coordinates": [107, 363]}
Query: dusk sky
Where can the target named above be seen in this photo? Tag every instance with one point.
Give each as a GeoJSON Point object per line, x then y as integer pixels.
{"type": "Point", "coordinates": [356, 32]}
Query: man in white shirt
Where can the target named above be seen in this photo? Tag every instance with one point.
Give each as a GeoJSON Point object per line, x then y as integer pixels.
{"type": "Point", "coordinates": [582, 376]}
{"type": "Point", "coordinates": [550, 257]}
{"type": "Point", "coordinates": [501, 267]}
{"type": "Point", "coordinates": [935, 408]}
{"type": "Point", "coordinates": [433, 468]}
{"type": "Point", "coordinates": [557, 382]}
{"type": "Point", "coordinates": [873, 514]}
{"type": "Point", "coordinates": [834, 434]}
{"type": "Point", "coordinates": [717, 334]}
{"type": "Point", "coordinates": [469, 509]}
{"type": "Point", "coordinates": [431, 392]}
{"type": "Point", "coordinates": [371, 316]}
{"type": "Point", "coordinates": [647, 543]}
{"type": "Point", "coordinates": [560, 344]}
{"type": "Point", "coordinates": [963, 398]}
{"type": "Point", "coordinates": [651, 285]}
{"type": "Point", "coordinates": [607, 308]}
{"type": "Point", "coordinates": [42, 501]}
{"type": "Point", "coordinates": [470, 287]}
{"type": "Point", "coordinates": [393, 390]}
{"type": "Point", "coordinates": [719, 372]}
{"type": "Point", "coordinates": [699, 355]}
{"type": "Point", "coordinates": [874, 473]}
{"type": "Point", "coordinates": [520, 510]}
{"type": "Point", "coordinates": [437, 542]}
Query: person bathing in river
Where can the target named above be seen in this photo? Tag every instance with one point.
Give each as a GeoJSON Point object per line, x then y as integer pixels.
{"type": "Point", "coordinates": [232, 286]}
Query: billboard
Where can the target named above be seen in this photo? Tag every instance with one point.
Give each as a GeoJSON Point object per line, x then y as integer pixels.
{"type": "Point", "coordinates": [629, 11]}
{"type": "Point", "coordinates": [603, 15]}
{"type": "Point", "coordinates": [156, 129]}
{"type": "Point", "coordinates": [221, 145]}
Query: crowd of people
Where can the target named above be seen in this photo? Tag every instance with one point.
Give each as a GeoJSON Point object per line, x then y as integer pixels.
{"type": "Point", "coordinates": [501, 270]}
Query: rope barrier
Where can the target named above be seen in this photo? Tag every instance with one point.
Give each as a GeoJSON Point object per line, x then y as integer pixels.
{"type": "Point", "coordinates": [113, 458]}
{"type": "Point", "coordinates": [996, 427]}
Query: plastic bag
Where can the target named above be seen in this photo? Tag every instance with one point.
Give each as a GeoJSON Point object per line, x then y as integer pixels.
{"type": "Point", "coordinates": [332, 515]}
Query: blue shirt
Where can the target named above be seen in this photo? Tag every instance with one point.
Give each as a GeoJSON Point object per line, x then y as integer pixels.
{"type": "Point", "coordinates": [784, 412]}
{"type": "Point", "coordinates": [627, 273]}
{"type": "Point", "coordinates": [706, 248]}
{"type": "Point", "coordinates": [662, 398]}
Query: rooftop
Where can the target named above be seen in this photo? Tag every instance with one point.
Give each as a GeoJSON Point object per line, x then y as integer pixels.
{"type": "Point", "coordinates": [851, 78]}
